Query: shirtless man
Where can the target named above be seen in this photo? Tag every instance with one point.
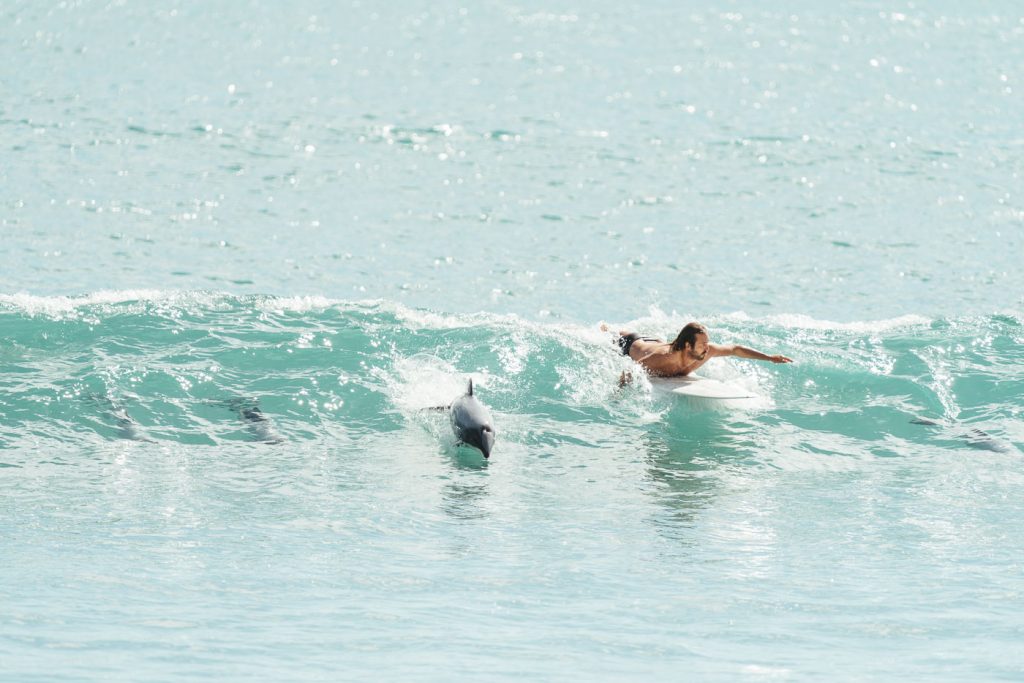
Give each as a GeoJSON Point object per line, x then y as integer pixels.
{"type": "Point", "coordinates": [690, 350]}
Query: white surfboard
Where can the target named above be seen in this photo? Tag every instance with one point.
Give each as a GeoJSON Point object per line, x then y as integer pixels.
{"type": "Point", "coordinates": [696, 386]}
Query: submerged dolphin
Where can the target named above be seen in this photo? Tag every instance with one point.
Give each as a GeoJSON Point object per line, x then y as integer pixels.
{"type": "Point", "coordinates": [258, 424]}
{"type": "Point", "coordinates": [127, 427]}
{"type": "Point", "coordinates": [471, 422]}
{"type": "Point", "coordinates": [974, 437]}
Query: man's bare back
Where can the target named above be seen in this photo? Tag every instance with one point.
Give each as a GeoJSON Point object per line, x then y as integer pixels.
{"type": "Point", "coordinates": [660, 360]}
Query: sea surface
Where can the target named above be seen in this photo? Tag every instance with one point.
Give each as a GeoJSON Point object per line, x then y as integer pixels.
{"type": "Point", "coordinates": [248, 248]}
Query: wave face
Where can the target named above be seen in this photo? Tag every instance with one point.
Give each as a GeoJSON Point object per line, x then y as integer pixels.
{"type": "Point", "coordinates": [175, 366]}
{"type": "Point", "coordinates": [201, 461]}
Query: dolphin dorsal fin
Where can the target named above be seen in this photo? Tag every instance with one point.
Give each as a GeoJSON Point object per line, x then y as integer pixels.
{"type": "Point", "coordinates": [470, 392]}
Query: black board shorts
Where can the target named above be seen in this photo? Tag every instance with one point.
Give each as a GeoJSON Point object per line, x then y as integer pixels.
{"type": "Point", "coordinates": [626, 341]}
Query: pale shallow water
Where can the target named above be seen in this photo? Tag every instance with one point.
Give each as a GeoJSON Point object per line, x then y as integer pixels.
{"type": "Point", "coordinates": [338, 214]}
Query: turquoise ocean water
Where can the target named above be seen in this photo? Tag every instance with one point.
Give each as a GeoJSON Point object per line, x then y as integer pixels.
{"type": "Point", "coordinates": [331, 216]}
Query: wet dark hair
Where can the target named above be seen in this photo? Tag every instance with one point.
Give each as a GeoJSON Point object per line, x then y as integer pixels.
{"type": "Point", "coordinates": [688, 335]}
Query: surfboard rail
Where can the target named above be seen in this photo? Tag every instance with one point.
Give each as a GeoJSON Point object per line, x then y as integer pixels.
{"type": "Point", "coordinates": [696, 386]}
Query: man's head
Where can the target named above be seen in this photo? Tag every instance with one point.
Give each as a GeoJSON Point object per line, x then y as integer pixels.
{"type": "Point", "coordinates": [693, 341]}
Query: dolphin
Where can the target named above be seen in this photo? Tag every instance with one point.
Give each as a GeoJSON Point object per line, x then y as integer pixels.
{"type": "Point", "coordinates": [127, 427]}
{"type": "Point", "coordinates": [259, 425]}
{"type": "Point", "coordinates": [981, 440]}
{"type": "Point", "coordinates": [975, 438]}
{"type": "Point", "coordinates": [472, 423]}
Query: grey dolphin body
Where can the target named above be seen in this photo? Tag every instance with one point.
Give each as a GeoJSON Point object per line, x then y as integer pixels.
{"type": "Point", "coordinates": [472, 423]}
{"type": "Point", "coordinates": [258, 424]}
{"type": "Point", "coordinates": [127, 427]}
{"type": "Point", "coordinates": [975, 438]}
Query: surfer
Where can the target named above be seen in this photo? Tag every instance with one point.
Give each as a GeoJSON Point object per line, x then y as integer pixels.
{"type": "Point", "coordinates": [690, 350]}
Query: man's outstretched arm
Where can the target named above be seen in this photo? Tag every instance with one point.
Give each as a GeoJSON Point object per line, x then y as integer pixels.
{"type": "Point", "coordinates": [744, 352]}
{"type": "Point", "coordinates": [622, 333]}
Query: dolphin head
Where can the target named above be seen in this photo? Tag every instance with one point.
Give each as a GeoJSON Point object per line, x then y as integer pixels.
{"type": "Point", "coordinates": [479, 436]}
{"type": "Point", "coordinates": [484, 439]}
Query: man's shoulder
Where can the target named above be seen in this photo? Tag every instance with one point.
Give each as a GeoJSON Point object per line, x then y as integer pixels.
{"type": "Point", "coordinates": [721, 349]}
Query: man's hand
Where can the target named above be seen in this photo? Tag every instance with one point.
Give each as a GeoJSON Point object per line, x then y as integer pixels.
{"type": "Point", "coordinates": [780, 359]}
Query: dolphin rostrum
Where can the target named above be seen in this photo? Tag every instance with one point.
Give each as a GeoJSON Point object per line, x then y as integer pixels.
{"type": "Point", "coordinates": [471, 422]}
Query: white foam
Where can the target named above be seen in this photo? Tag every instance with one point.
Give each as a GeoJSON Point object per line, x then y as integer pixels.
{"type": "Point", "coordinates": [297, 304]}
{"type": "Point", "coordinates": [804, 322]}
{"type": "Point", "coordinates": [431, 320]}
{"type": "Point", "coordinates": [671, 323]}
{"type": "Point", "coordinates": [58, 305]}
{"type": "Point", "coordinates": [426, 381]}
